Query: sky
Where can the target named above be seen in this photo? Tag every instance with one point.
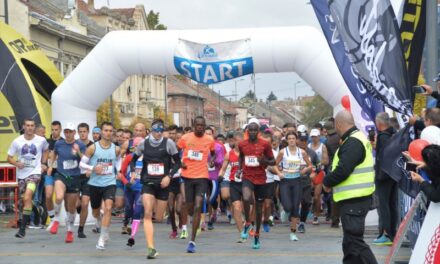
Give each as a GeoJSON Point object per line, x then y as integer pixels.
{"type": "Point", "coordinates": [215, 14]}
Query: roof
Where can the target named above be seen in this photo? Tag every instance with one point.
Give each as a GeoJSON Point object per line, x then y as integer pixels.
{"type": "Point", "coordinates": [179, 87]}
{"type": "Point", "coordinates": [128, 12]}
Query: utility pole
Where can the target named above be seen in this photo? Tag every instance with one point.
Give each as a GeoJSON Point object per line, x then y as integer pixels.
{"type": "Point", "coordinates": [166, 102]}
{"type": "Point", "coordinates": [255, 95]}
{"type": "Point", "coordinates": [236, 93]}
{"type": "Point", "coordinates": [6, 14]}
{"type": "Point", "coordinates": [431, 43]}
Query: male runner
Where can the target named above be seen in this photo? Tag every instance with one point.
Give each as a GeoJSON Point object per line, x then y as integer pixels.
{"type": "Point", "coordinates": [67, 154]}
{"type": "Point", "coordinates": [102, 157]}
{"type": "Point", "coordinates": [197, 146]}
{"type": "Point", "coordinates": [31, 152]}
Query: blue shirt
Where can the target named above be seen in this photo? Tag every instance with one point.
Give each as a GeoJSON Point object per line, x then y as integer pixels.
{"type": "Point", "coordinates": [137, 186]}
{"type": "Point", "coordinates": [106, 157]}
{"type": "Point", "coordinates": [68, 160]}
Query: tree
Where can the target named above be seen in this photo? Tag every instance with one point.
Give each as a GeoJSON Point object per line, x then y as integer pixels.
{"type": "Point", "coordinates": [103, 114]}
{"type": "Point", "coordinates": [249, 95]}
{"type": "Point", "coordinates": [153, 21]}
{"type": "Point", "coordinates": [316, 110]}
{"type": "Point", "coordinates": [271, 97]}
{"type": "Point", "coordinates": [158, 112]}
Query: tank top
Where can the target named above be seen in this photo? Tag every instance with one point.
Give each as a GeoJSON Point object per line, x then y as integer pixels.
{"type": "Point", "coordinates": [292, 163]}
{"type": "Point", "coordinates": [318, 151]}
{"type": "Point", "coordinates": [105, 157]}
{"type": "Point", "coordinates": [233, 162]}
{"type": "Point", "coordinates": [156, 162]}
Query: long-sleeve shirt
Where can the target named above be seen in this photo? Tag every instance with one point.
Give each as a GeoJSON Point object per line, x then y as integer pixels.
{"type": "Point", "coordinates": [432, 190]}
{"type": "Point", "coordinates": [351, 153]}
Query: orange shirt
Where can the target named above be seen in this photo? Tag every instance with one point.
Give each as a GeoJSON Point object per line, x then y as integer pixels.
{"type": "Point", "coordinates": [195, 154]}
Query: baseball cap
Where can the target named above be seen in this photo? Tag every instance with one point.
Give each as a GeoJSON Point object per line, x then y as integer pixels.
{"type": "Point", "coordinates": [302, 128]}
{"type": "Point", "coordinates": [96, 130]}
{"type": "Point", "coordinates": [315, 133]}
{"type": "Point", "coordinates": [254, 120]}
{"type": "Point", "coordinates": [303, 136]}
{"type": "Point", "coordinates": [431, 134]}
{"type": "Point", "coordinates": [70, 126]}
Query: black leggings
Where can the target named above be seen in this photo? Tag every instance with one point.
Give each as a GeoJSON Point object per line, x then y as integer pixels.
{"type": "Point", "coordinates": [291, 193]}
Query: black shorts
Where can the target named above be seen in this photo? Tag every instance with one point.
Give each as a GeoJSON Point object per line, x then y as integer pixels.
{"type": "Point", "coordinates": [84, 188]}
{"type": "Point", "coordinates": [260, 191]}
{"type": "Point", "coordinates": [195, 187]}
{"type": "Point", "coordinates": [236, 191]}
{"type": "Point", "coordinates": [72, 183]}
{"type": "Point", "coordinates": [270, 192]}
{"type": "Point", "coordinates": [175, 186]}
{"type": "Point", "coordinates": [98, 194]}
{"type": "Point", "coordinates": [152, 187]}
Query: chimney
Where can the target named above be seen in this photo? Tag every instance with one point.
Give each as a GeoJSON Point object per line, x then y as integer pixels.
{"type": "Point", "coordinates": [91, 4]}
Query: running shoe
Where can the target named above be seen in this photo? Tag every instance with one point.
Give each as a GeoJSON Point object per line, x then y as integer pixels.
{"type": "Point", "coordinates": [301, 228]}
{"type": "Point", "coordinates": [271, 221]}
{"type": "Point", "coordinates": [101, 244]}
{"type": "Point", "coordinates": [232, 221]}
{"type": "Point", "coordinates": [214, 217]}
{"type": "Point", "coordinates": [54, 228]}
{"type": "Point", "coordinates": [229, 217]}
{"type": "Point", "coordinates": [152, 253]}
{"type": "Point", "coordinates": [97, 228]}
{"type": "Point", "coordinates": [124, 230]}
{"type": "Point", "coordinates": [284, 216]}
{"type": "Point", "coordinates": [81, 234]}
{"type": "Point", "coordinates": [383, 240]}
{"type": "Point", "coordinates": [184, 234]}
{"type": "Point", "coordinates": [245, 232]}
{"type": "Point", "coordinates": [256, 244]}
{"type": "Point", "coordinates": [173, 235]}
{"type": "Point", "coordinates": [191, 247]}
{"type": "Point", "coordinates": [315, 221]}
{"type": "Point", "coordinates": [293, 237]}
{"type": "Point", "coordinates": [241, 240]}
{"type": "Point", "coordinates": [21, 233]}
{"type": "Point", "coordinates": [69, 237]}
{"type": "Point", "coordinates": [210, 226]}
{"type": "Point", "coordinates": [50, 225]}
{"type": "Point", "coordinates": [203, 226]}
{"type": "Point", "coordinates": [266, 227]}
{"type": "Point", "coordinates": [130, 242]}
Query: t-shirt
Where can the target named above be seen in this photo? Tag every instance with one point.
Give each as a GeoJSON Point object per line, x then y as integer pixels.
{"type": "Point", "coordinates": [68, 160]}
{"type": "Point", "coordinates": [28, 152]}
{"type": "Point", "coordinates": [269, 175]}
{"type": "Point", "coordinates": [195, 154]}
{"type": "Point", "coordinates": [252, 170]}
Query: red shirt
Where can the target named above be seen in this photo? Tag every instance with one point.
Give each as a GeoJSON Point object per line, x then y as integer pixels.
{"type": "Point", "coordinates": [252, 170]}
{"type": "Point", "coordinates": [233, 161]}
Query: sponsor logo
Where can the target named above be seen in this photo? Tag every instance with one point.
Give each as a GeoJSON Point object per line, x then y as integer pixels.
{"type": "Point", "coordinates": [8, 125]}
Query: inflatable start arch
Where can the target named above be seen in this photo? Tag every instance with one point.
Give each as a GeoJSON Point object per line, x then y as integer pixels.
{"type": "Point", "coordinates": [207, 56]}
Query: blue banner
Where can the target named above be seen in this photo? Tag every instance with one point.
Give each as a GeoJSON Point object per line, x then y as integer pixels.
{"type": "Point", "coordinates": [369, 105]}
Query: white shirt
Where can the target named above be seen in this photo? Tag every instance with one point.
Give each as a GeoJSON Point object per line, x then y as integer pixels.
{"type": "Point", "coordinates": [28, 152]}
{"type": "Point", "coordinates": [270, 177]}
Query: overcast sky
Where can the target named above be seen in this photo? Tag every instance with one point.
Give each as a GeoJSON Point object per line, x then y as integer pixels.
{"type": "Point", "coordinates": [202, 14]}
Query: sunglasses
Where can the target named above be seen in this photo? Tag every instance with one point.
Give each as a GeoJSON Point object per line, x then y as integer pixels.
{"type": "Point", "coordinates": [158, 129]}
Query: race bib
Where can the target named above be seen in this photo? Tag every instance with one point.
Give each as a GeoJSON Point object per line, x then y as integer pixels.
{"type": "Point", "coordinates": [156, 169]}
{"type": "Point", "coordinates": [70, 164]}
{"type": "Point", "coordinates": [251, 161]}
{"type": "Point", "coordinates": [195, 155]}
{"type": "Point", "coordinates": [292, 166]}
{"type": "Point", "coordinates": [107, 168]}
{"type": "Point", "coordinates": [137, 172]}
{"type": "Point", "coordinates": [29, 162]}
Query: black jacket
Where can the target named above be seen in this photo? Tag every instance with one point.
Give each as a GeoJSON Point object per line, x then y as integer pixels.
{"type": "Point", "coordinates": [351, 154]}
{"type": "Point", "coordinates": [382, 139]}
{"type": "Point", "coordinates": [436, 95]}
{"type": "Point", "coordinates": [432, 190]}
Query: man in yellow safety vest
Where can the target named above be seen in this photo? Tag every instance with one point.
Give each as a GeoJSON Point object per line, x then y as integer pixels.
{"type": "Point", "coordinates": [352, 181]}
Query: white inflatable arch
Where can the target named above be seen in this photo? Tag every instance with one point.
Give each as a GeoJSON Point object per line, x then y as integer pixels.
{"type": "Point", "coordinates": [119, 54]}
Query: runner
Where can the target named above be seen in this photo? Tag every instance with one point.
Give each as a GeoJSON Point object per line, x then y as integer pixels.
{"type": "Point", "coordinates": [322, 153]}
{"type": "Point", "coordinates": [160, 162]}
{"type": "Point", "coordinates": [96, 134]}
{"type": "Point", "coordinates": [306, 180]}
{"type": "Point", "coordinates": [291, 159]}
{"type": "Point", "coordinates": [49, 180]}
{"type": "Point", "coordinates": [102, 157]}
{"type": "Point", "coordinates": [83, 203]}
{"type": "Point", "coordinates": [230, 170]}
{"type": "Point", "coordinates": [271, 173]}
{"type": "Point", "coordinates": [31, 153]}
{"type": "Point", "coordinates": [197, 146]}
{"type": "Point", "coordinates": [133, 191]}
{"type": "Point", "coordinates": [255, 155]}
{"type": "Point", "coordinates": [67, 154]}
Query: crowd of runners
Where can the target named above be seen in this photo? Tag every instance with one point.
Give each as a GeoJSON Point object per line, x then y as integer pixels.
{"type": "Point", "coordinates": [184, 176]}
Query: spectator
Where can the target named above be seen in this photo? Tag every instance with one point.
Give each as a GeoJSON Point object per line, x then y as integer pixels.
{"type": "Point", "coordinates": [431, 159]}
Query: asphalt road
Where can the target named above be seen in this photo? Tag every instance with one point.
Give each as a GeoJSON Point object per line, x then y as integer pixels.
{"type": "Point", "coordinates": [320, 244]}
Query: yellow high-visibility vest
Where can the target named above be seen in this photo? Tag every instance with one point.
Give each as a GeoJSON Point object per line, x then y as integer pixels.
{"type": "Point", "coordinates": [360, 183]}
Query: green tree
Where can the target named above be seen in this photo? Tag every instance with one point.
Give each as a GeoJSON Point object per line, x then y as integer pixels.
{"type": "Point", "coordinates": [103, 114]}
{"type": "Point", "coordinates": [316, 110]}
{"type": "Point", "coordinates": [249, 95]}
{"type": "Point", "coordinates": [159, 112]}
{"type": "Point", "coordinates": [153, 21]}
{"type": "Point", "coordinates": [271, 97]}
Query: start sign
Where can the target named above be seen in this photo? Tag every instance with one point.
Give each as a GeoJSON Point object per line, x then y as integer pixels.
{"type": "Point", "coordinates": [212, 63]}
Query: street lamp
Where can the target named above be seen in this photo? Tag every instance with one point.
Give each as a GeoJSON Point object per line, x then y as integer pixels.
{"type": "Point", "coordinates": [235, 82]}
{"type": "Point", "coordinates": [294, 106]}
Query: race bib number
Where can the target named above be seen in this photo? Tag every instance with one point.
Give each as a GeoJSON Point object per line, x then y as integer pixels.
{"type": "Point", "coordinates": [29, 163]}
{"type": "Point", "coordinates": [70, 164]}
{"type": "Point", "coordinates": [251, 161]}
{"type": "Point", "coordinates": [107, 169]}
{"type": "Point", "coordinates": [156, 169]}
{"type": "Point", "coordinates": [137, 172]}
{"type": "Point", "coordinates": [195, 155]}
